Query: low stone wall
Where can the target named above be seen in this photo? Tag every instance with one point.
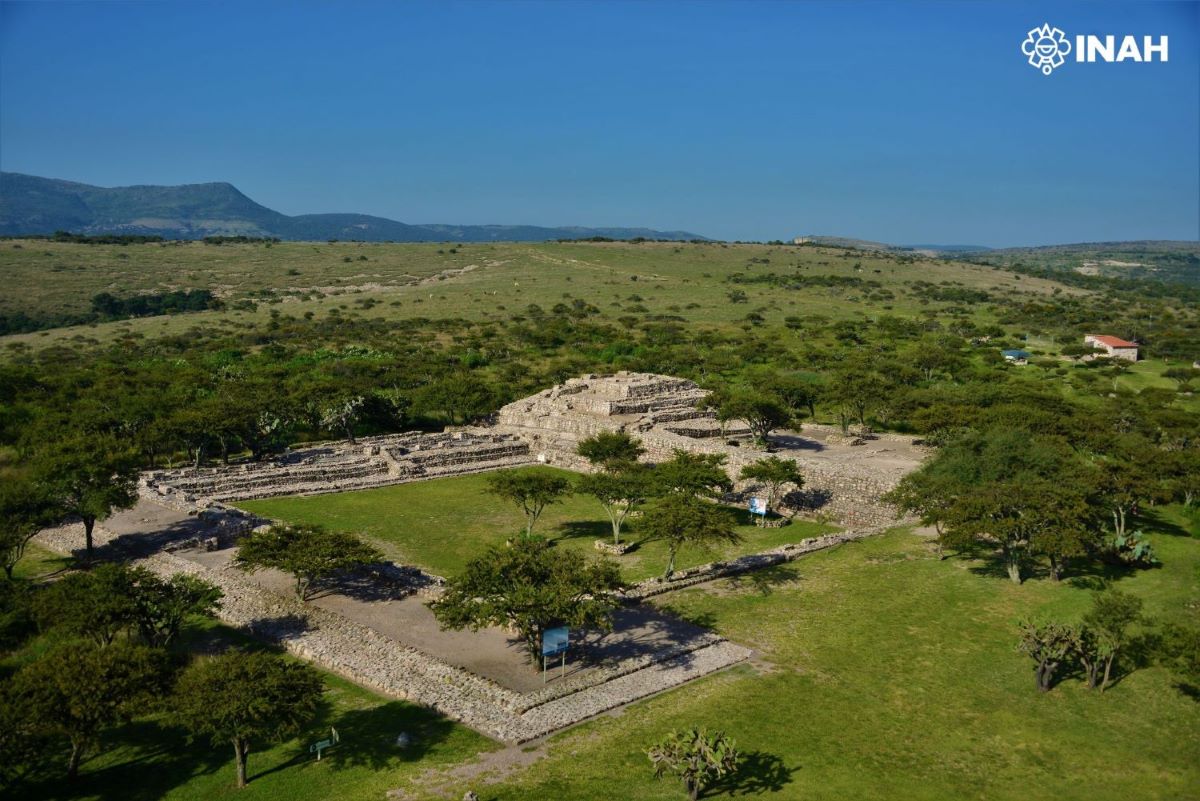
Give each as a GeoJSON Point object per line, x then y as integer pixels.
{"type": "Point", "coordinates": [743, 564]}
{"type": "Point", "coordinates": [368, 658]}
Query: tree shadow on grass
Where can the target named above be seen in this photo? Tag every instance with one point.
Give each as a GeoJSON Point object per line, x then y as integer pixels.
{"type": "Point", "coordinates": [369, 736]}
{"type": "Point", "coordinates": [764, 582]}
{"type": "Point", "coordinates": [584, 529]}
{"type": "Point", "coordinates": [757, 773]}
{"type": "Point", "coordinates": [162, 760]}
{"type": "Point", "coordinates": [1150, 520]}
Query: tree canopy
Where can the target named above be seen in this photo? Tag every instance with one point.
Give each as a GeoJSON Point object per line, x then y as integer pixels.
{"type": "Point", "coordinates": [611, 450]}
{"type": "Point", "coordinates": [311, 554]}
{"type": "Point", "coordinates": [530, 586]}
{"type": "Point", "coordinates": [243, 698]}
{"type": "Point", "coordinates": [531, 490]}
{"type": "Point", "coordinates": [681, 520]}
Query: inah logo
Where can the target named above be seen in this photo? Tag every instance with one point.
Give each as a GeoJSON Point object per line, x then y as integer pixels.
{"type": "Point", "coordinates": [1046, 47]}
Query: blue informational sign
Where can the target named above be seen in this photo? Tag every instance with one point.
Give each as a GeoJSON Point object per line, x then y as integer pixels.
{"type": "Point", "coordinates": [758, 506]}
{"type": "Point", "coordinates": [554, 641]}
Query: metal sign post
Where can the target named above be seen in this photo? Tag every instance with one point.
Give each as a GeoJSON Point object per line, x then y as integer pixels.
{"type": "Point", "coordinates": [758, 506]}
{"type": "Point", "coordinates": [554, 643]}
{"type": "Point", "coordinates": [321, 745]}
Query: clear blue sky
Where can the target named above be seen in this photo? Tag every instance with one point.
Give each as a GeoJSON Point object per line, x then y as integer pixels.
{"type": "Point", "coordinates": [906, 122]}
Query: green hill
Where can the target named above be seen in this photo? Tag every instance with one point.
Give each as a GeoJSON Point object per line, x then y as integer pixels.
{"type": "Point", "coordinates": [33, 205]}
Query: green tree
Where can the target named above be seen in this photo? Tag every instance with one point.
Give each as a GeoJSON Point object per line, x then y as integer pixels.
{"type": "Point", "coordinates": [457, 398]}
{"type": "Point", "coordinates": [761, 412]}
{"type": "Point", "coordinates": [611, 450]}
{"type": "Point", "coordinates": [853, 390]}
{"type": "Point", "coordinates": [97, 604]}
{"type": "Point", "coordinates": [775, 474]}
{"type": "Point", "coordinates": [696, 757]}
{"type": "Point", "coordinates": [78, 689]}
{"type": "Point", "coordinates": [680, 520]}
{"type": "Point", "coordinates": [25, 509]}
{"type": "Point", "coordinates": [530, 586]}
{"type": "Point", "coordinates": [342, 413]}
{"type": "Point", "coordinates": [619, 493]}
{"type": "Point", "coordinates": [694, 474]}
{"type": "Point", "coordinates": [161, 606]}
{"type": "Point", "coordinates": [1131, 472]}
{"type": "Point", "coordinates": [311, 554]}
{"type": "Point", "coordinates": [531, 490]}
{"type": "Point", "coordinates": [244, 698]}
{"type": "Point", "coordinates": [1005, 491]}
{"type": "Point", "coordinates": [1050, 646]}
{"type": "Point", "coordinates": [1183, 377]}
{"type": "Point", "coordinates": [89, 475]}
{"type": "Point", "coordinates": [1105, 633]}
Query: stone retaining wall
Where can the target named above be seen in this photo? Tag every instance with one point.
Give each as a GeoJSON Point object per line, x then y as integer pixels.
{"type": "Point", "coordinates": [368, 658]}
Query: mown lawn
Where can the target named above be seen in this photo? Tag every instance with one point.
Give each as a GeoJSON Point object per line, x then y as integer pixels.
{"type": "Point", "coordinates": [886, 674]}
{"type": "Point", "coordinates": [442, 524]}
{"type": "Point", "coordinates": [882, 673]}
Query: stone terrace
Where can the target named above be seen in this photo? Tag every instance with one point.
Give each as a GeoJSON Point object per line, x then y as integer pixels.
{"type": "Point", "coordinates": [341, 466]}
{"type": "Point", "coordinates": [844, 478]}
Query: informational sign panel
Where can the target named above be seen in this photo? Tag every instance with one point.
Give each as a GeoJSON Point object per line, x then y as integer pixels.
{"type": "Point", "coordinates": [758, 506]}
{"type": "Point", "coordinates": [554, 641]}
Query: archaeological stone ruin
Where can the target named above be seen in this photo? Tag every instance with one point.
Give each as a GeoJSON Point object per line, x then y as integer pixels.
{"type": "Point", "coordinates": [188, 521]}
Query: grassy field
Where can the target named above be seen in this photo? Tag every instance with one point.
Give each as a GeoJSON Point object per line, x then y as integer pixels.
{"type": "Point", "coordinates": [880, 673]}
{"type": "Point", "coordinates": [441, 524]}
{"type": "Point", "coordinates": [150, 758]}
{"type": "Point", "coordinates": [886, 674]}
{"type": "Point", "coordinates": [477, 282]}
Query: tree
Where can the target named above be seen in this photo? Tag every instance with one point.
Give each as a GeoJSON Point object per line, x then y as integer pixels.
{"type": "Point", "coordinates": [775, 474]}
{"type": "Point", "coordinates": [798, 392]}
{"type": "Point", "coordinates": [97, 604]}
{"type": "Point", "coordinates": [89, 474]}
{"type": "Point", "coordinates": [619, 493]}
{"type": "Point", "coordinates": [342, 413]}
{"type": "Point", "coordinates": [681, 519]}
{"type": "Point", "coordinates": [1182, 376]}
{"type": "Point", "coordinates": [854, 389]}
{"type": "Point", "coordinates": [160, 606]}
{"type": "Point", "coordinates": [77, 689]}
{"type": "Point", "coordinates": [1050, 645]}
{"type": "Point", "coordinates": [1131, 473]}
{"type": "Point", "coordinates": [762, 412]}
{"type": "Point", "coordinates": [311, 554]}
{"type": "Point", "coordinates": [1105, 633]}
{"type": "Point", "coordinates": [459, 397]}
{"type": "Point", "coordinates": [244, 698]}
{"type": "Point", "coordinates": [611, 450]}
{"type": "Point", "coordinates": [530, 586]}
{"type": "Point", "coordinates": [694, 474]}
{"type": "Point", "coordinates": [1005, 491]}
{"type": "Point", "coordinates": [531, 490]}
{"type": "Point", "coordinates": [696, 757]}
{"type": "Point", "coordinates": [25, 509]}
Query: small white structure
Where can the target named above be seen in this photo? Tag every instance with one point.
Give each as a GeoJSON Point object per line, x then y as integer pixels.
{"type": "Point", "coordinates": [1114, 347]}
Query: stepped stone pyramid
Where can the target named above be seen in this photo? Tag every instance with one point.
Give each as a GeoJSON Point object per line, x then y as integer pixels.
{"type": "Point", "coordinates": [555, 420]}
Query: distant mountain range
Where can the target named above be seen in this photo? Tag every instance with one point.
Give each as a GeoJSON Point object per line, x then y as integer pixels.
{"type": "Point", "coordinates": [33, 205]}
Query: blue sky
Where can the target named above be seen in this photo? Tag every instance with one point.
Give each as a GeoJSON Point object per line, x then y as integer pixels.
{"type": "Point", "coordinates": [905, 122]}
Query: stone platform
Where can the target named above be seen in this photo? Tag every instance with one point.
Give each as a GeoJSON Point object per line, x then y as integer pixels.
{"type": "Point", "coordinates": [843, 482]}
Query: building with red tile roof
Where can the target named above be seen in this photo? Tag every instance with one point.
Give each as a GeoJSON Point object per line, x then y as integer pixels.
{"type": "Point", "coordinates": [1113, 347]}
